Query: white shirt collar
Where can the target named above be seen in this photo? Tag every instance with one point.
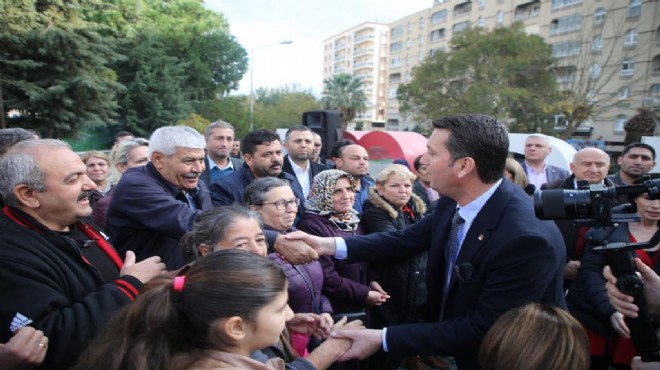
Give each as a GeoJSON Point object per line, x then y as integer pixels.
{"type": "Point", "coordinates": [212, 165]}
{"type": "Point", "coordinates": [471, 210]}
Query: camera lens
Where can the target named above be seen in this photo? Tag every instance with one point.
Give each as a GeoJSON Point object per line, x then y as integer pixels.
{"type": "Point", "coordinates": [562, 204]}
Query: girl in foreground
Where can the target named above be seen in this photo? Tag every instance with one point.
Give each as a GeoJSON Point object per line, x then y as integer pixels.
{"type": "Point", "coordinates": [227, 305]}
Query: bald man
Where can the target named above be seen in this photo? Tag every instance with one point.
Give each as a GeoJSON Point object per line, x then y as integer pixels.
{"type": "Point", "coordinates": [591, 165]}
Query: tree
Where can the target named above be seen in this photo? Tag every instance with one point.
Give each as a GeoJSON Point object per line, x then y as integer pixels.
{"type": "Point", "coordinates": [282, 107]}
{"type": "Point", "coordinates": [591, 60]}
{"type": "Point", "coordinates": [343, 92]}
{"type": "Point", "coordinates": [230, 108]}
{"type": "Point", "coordinates": [503, 73]}
{"type": "Point", "coordinates": [641, 124]}
{"type": "Point", "coordinates": [55, 67]}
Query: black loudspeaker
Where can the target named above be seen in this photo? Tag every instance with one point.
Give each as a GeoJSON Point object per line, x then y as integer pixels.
{"type": "Point", "coordinates": [326, 123]}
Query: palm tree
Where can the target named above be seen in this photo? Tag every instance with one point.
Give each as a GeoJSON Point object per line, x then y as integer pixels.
{"type": "Point", "coordinates": [343, 92]}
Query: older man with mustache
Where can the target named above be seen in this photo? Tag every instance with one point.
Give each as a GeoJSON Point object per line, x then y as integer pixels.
{"type": "Point", "coordinates": [58, 273]}
{"type": "Point", "coordinates": [153, 206]}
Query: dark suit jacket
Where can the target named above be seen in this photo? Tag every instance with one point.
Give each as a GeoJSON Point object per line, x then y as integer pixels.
{"type": "Point", "coordinates": [508, 258]}
{"type": "Point", "coordinates": [552, 173]}
{"type": "Point", "coordinates": [315, 168]}
{"type": "Point", "coordinates": [206, 175]}
{"type": "Point", "coordinates": [230, 189]}
{"type": "Point", "coordinates": [568, 230]}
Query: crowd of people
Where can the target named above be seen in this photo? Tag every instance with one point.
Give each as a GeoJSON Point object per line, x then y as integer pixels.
{"type": "Point", "coordinates": [188, 251]}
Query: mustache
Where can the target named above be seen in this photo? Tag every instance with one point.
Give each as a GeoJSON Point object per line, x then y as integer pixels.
{"type": "Point", "coordinates": [276, 164]}
{"type": "Point", "coordinates": [85, 194]}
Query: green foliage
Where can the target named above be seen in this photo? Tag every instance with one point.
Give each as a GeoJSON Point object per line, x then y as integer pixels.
{"type": "Point", "coordinates": [504, 73]}
{"type": "Point", "coordinates": [55, 68]}
{"type": "Point", "coordinates": [343, 92]}
{"type": "Point", "coordinates": [69, 66]}
{"type": "Point", "coordinates": [282, 107]}
{"type": "Point", "coordinates": [232, 109]}
{"type": "Point", "coordinates": [194, 121]}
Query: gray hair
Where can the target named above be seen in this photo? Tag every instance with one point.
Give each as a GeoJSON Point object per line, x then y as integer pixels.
{"type": "Point", "coordinates": [255, 193]}
{"type": "Point", "coordinates": [543, 137]}
{"type": "Point", "coordinates": [19, 167]}
{"type": "Point", "coordinates": [119, 155]}
{"type": "Point", "coordinates": [10, 136]}
{"type": "Point", "coordinates": [211, 226]}
{"type": "Point", "coordinates": [166, 139]}
{"type": "Point", "coordinates": [217, 124]}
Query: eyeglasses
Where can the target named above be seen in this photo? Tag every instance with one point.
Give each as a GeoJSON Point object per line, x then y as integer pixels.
{"type": "Point", "coordinates": [282, 204]}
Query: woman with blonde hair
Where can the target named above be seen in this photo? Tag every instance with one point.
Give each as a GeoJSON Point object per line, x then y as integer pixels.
{"type": "Point", "coordinates": [535, 337]}
{"type": "Point", "coordinates": [515, 172]}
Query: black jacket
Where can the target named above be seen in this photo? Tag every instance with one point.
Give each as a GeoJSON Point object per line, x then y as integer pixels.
{"type": "Point", "coordinates": [206, 175]}
{"type": "Point", "coordinates": [314, 167]}
{"type": "Point", "coordinates": [587, 299]}
{"type": "Point", "coordinates": [44, 277]}
{"type": "Point", "coordinates": [404, 280]}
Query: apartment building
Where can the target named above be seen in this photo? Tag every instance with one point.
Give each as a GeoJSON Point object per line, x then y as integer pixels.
{"type": "Point", "coordinates": [607, 51]}
{"type": "Point", "coordinates": [362, 52]}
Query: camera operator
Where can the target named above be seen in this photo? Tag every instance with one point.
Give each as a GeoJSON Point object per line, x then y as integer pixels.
{"type": "Point", "coordinates": [587, 299]}
{"type": "Point", "coordinates": [591, 165]}
{"type": "Point", "coordinates": [624, 303]}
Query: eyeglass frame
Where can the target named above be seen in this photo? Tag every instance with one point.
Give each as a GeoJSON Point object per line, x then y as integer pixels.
{"type": "Point", "coordinates": [282, 203]}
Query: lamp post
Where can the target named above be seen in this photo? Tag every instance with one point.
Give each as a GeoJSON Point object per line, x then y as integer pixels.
{"type": "Point", "coordinates": [286, 42]}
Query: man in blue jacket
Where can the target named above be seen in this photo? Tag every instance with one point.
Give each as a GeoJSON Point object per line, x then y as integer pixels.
{"type": "Point", "coordinates": [153, 206]}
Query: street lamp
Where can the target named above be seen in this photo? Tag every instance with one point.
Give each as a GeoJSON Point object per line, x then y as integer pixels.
{"type": "Point", "coordinates": [286, 42]}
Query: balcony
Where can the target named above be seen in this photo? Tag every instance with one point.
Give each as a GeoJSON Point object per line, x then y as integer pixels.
{"type": "Point", "coordinates": [361, 65]}
{"type": "Point", "coordinates": [362, 38]}
{"type": "Point", "coordinates": [366, 78]}
{"type": "Point", "coordinates": [463, 9]}
{"type": "Point", "coordinates": [340, 58]}
{"type": "Point", "coordinates": [339, 70]}
{"type": "Point", "coordinates": [339, 46]}
{"type": "Point", "coordinates": [526, 12]}
{"type": "Point", "coordinates": [363, 51]}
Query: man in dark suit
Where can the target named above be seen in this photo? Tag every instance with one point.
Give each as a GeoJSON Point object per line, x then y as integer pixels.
{"type": "Point", "coordinates": [299, 141]}
{"type": "Point", "coordinates": [590, 165]}
{"type": "Point", "coordinates": [219, 137]}
{"type": "Point", "coordinates": [487, 252]}
{"type": "Point", "coordinates": [537, 148]}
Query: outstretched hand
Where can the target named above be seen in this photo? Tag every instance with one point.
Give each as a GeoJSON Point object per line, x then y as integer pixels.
{"type": "Point", "coordinates": [365, 342]}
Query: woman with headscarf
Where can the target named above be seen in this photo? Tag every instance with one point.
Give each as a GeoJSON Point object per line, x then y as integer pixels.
{"type": "Point", "coordinates": [329, 212]}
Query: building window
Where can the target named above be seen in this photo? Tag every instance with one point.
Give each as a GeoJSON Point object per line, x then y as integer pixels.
{"type": "Point", "coordinates": [624, 93]}
{"type": "Point", "coordinates": [597, 43]}
{"type": "Point", "coordinates": [481, 22]}
{"type": "Point", "coordinates": [437, 35]}
{"type": "Point", "coordinates": [482, 4]}
{"type": "Point", "coordinates": [458, 27]}
{"type": "Point", "coordinates": [595, 71]}
{"type": "Point", "coordinates": [635, 8]}
{"type": "Point", "coordinates": [392, 93]}
{"type": "Point", "coordinates": [397, 31]}
{"type": "Point", "coordinates": [500, 17]}
{"type": "Point", "coordinates": [396, 47]}
{"type": "Point", "coordinates": [654, 91]}
{"type": "Point", "coordinates": [627, 67]}
{"type": "Point", "coordinates": [395, 62]}
{"type": "Point", "coordinates": [558, 4]}
{"type": "Point", "coordinates": [631, 38]}
{"type": "Point", "coordinates": [620, 123]}
{"type": "Point", "coordinates": [420, 41]}
{"type": "Point", "coordinates": [600, 16]}
{"type": "Point", "coordinates": [566, 24]}
{"type": "Point", "coordinates": [565, 49]}
{"type": "Point", "coordinates": [420, 56]}
{"type": "Point", "coordinates": [439, 16]}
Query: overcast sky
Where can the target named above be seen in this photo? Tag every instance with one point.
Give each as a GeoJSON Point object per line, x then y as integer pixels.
{"type": "Point", "coordinates": [307, 23]}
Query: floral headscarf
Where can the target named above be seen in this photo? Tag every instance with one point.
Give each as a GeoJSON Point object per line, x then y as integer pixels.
{"type": "Point", "coordinates": [320, 199]}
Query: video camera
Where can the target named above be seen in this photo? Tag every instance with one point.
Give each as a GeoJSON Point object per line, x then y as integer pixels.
{"type": "Point", "coordinates": [593, 207]}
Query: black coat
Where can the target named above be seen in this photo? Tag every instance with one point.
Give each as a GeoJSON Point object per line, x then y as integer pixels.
{"type": "Point", "coordinates": [403, 280]}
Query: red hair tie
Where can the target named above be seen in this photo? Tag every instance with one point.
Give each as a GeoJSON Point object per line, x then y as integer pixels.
{"type": "Point", "coordinates": [178, 283]}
